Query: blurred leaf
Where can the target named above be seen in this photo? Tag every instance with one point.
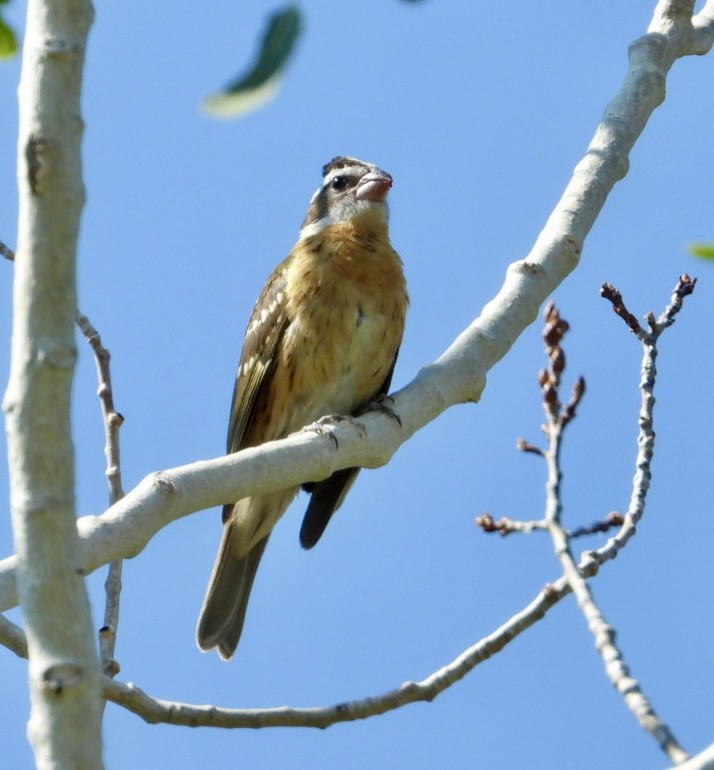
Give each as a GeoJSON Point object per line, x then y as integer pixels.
{"type": "Point", "coordinates": [257, 86]}
{"type": "Point", "coordinates": [8, 42]}
{"type": "Point", "coordinates": [703, 250]}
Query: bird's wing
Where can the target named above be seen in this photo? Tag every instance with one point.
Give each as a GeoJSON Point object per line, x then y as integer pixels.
{"type": "Point", "coordinates": [327, 496]}
{"type": "Point", "coordinates": [266, 327]}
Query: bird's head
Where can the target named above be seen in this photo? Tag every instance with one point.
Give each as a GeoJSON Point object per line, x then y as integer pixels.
{"type": "Point", "coordinates": [351, 190]}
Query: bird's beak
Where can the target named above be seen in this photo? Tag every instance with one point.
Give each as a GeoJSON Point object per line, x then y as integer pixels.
{"type": "Point", "coordinates": [374, 186]}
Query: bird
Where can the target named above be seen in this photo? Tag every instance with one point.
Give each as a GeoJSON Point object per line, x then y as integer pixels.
{"type": "Point", "coordinates": [322, 340]}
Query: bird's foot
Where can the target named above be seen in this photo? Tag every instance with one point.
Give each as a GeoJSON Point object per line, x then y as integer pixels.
{"type": "Point", "coordinates": [326, 425]}
{"type": "Point", "coordinates": [384, 404]}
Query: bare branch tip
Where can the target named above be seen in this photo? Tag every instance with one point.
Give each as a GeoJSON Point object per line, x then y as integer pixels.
{"type": "Point", "coordinates": [613, 520]}
{"type": "Point", "coordinates": [686, 285]}
{"type": "Point", "coordinates": [525, 446]}
{"type": "Point", "coordinates": [489, 525]}
{"type": "Point", "coordinates": [485, 522]}
{"type": "Point", "coordinates": [7, 252]}
{"type": "Point", "coordinates": [612, 295]}
{"type": "Point", "coordinates": [569, 410]}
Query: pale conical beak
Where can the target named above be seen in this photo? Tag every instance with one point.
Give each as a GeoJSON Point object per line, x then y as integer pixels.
{"type": "Point", "coordinates": [374, 186]}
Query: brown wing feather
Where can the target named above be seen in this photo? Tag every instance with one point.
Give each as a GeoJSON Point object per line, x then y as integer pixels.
{"type": "Point", "coordinates": [266, 327]}
{"type": "Point", "coordinates": [221, 618]}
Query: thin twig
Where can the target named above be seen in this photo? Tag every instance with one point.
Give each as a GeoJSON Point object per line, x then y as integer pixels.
{"type": "Point", "coordinates": [525, 446]}
{"type": "Point", "coordinates": [7, 252]}
{"type": "Point", "coordinates": [13, 637]}
{"type": "Point", "coordinates": [610, 293]}
{"type": "Point", "coordinates": [557, 417]}
{"type": "Point", "coordinates": [505, 526]}
{"type": "Point", "coordinates": [648, 374]}
{"type": "Point", "coordinates": [685, 286]}
{"type": "Point", "coordinates": [112, 419]}
{"type": "Point", "coordinates": [612, 520]}
{"type": "Point", "coordinates": [112, 422]}
{"type": "Point", "coordinates": [615, 666]}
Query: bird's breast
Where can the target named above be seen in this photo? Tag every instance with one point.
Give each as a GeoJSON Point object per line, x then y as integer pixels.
{"type": "Point", "coordinates": [347, 311]}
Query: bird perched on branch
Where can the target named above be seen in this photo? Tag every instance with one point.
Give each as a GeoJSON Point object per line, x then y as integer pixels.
{"type": "Point", "coordinates": [322, 339]}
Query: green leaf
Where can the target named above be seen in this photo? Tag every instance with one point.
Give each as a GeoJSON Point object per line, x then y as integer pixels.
{"type": "Point", "coordinates": [259, 84]}
{"type": "Point", "coordinates": [703, 250]}
{"type": "Point", "coordinates": [8, 42]}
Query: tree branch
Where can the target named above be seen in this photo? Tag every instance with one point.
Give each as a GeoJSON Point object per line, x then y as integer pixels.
{"type": "Point", "coordinates": [615, 667]}
{"type": "Point", "coordinates": [558, 416]}
{"type": "Point", "coordinates": [7, 252]}
{"type": "Point", "coordinates": [65, 725]}
{"type": "Point", "coordinates": [112, 421]}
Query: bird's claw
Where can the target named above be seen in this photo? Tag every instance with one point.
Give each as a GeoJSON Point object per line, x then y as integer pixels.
{"type": "Point", "coordinates": [384, 404]}
{"type": "Point", "coordinates": [325, 426]}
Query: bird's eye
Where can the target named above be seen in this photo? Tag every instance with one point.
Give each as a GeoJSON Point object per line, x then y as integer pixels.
{"type": "Point", "coordinates": [338, 183]}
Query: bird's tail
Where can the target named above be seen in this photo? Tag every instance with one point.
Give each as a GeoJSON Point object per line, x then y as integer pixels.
{"type": "Point", "coordinates": [220, 621]}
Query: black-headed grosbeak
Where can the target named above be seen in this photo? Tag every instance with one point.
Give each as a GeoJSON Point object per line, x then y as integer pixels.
{"type": "Point", "coordinates": [322, 339]}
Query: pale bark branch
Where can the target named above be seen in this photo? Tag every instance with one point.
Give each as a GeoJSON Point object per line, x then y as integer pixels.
{"type": "Point", "coordinates": [65, 726]}
{"type": "Point", "coordinates": [702, 761]}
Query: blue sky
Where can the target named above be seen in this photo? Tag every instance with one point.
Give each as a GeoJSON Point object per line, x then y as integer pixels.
{"type": "Point", "coordinates": [480, 113]}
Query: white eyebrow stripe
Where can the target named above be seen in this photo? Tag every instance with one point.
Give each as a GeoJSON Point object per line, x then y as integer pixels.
{"type": "Point", "coordinates": [353, 169]}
